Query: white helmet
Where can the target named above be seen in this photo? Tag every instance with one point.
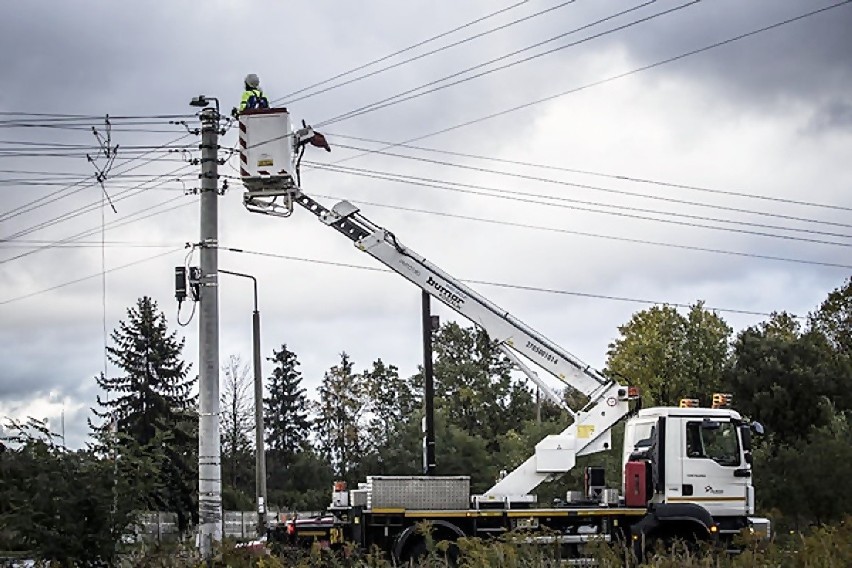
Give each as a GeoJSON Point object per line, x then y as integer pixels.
{"type": "Point", "coordinates": [252, 81]}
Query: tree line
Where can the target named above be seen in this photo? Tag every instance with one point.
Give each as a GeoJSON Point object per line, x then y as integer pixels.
{"type": "Point", "coordinates": [793, 375]}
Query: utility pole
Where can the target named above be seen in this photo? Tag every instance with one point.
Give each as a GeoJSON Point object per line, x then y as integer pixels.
{"type": "Point", "coordinates": [259, 449]}
{"type": "Point", "coordinates": [209, 464]}
{"type": "Point", "coordinates": [428, 385]}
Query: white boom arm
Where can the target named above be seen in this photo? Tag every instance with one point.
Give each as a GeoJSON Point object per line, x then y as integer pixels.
{"type": "Point", "coordinates": [555, 455]}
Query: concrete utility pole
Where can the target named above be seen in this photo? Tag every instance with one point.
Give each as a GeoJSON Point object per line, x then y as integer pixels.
{"type": "Point", "coordinates": [259, 449]}
{"type": "Point", "coordinates": [209, 466]}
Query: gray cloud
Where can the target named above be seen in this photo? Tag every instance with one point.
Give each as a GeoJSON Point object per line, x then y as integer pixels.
{"type": "Point", "coordinates": [730, 118]}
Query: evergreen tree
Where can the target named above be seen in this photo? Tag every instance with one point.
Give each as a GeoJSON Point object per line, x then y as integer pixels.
{"type": "Point", "coordinates": [286, 408]}
{"type": "Point", "coordinates": [152, 405]}
{"type": "Point", "coordinates": [291, 467]}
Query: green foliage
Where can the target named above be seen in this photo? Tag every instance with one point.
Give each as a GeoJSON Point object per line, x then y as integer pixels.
{"type": "Point", "coordinates": [786, 379]}
{"type": "Point", "coordinates": [474, 386]}
{"type": "Point", "coordinates": [457, 452]}
{"type": "Point", "coordinates": [152, 407]}
{"type": "Point", "coordinates": [302, 484]}
{"type": "Point", "coordinates": [67, 507]}
{"type": "Point", "coordinates": [826, 547]}
{"type": "Point", "coordinates": [670, 356]}
{"type": "Point", "coordinates": [390, 400]}
{"type": "Point", "coordinates": [297, 479]}
{"type": "Point", "coordinates": [834, 319]}
{"type": "Point", "coordinates": [338, 424]}
{"type": "Point", "coordinates": [286, 408]}
{"type": "Point", "coordinates": [807, 480]}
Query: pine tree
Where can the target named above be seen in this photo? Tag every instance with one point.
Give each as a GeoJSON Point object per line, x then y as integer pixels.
{"type": "Point", "coordinates": [152, 404]}
{"type": "Point", "coordinates": [287, 431]}
{"type": "Point", "coordinates": [286, 408]}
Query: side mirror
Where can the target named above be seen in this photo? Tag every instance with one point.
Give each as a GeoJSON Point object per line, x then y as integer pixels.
{"type": "Point", "coordinates": [745, 434]}
{"type": "Point", "coordinates": [757, 427]}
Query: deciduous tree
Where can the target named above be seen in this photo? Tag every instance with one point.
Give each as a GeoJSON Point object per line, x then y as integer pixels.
{"type": "Point", "coordinates": [339, 412]}
{"type": "Point", "coordinates": [237, 424]}
{"type": "Point", "coordinates": [670, 356]}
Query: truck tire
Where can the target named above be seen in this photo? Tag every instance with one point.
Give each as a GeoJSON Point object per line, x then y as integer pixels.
{"type": "Point", "coordinates": [668, 525]}
{"type": "Point", "coordinates": [416, 552]}
{"type": "Point", "coordinates": [412, 546]}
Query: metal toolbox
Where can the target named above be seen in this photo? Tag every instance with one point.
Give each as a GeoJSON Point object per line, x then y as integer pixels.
{"type": "Point", "coordinates": [419, 492]}
{"type": "Point", "coordinates": [358, 497]}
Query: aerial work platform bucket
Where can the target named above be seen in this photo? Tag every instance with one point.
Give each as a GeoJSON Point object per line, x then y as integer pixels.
{"type": "Point", "coordinates": [267, 166]}
{"type": "Point", "coordinates": [266, 152]}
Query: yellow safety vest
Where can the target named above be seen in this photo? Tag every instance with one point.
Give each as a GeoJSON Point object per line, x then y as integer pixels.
{"type": "Point", "coordinates": [253, 98]}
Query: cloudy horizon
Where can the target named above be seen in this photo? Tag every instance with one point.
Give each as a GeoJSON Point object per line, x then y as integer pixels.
{"type": "Point", "coordinates": [718, 177]}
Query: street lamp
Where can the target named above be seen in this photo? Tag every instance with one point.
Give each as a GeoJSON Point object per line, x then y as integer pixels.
{"type": "Point", "coordinates": [260, 452]}
{"type": "Point", "coordinates": [203, 101]}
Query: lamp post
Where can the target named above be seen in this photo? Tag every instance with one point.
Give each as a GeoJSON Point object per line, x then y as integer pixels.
{"type": "Point", "coordinates": [260, 452]}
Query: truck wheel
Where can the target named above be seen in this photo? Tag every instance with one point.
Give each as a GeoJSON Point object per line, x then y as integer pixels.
{"type": "Point", "coordinates": [672, 541]}
{"type": "Point", "coordinates": [418, 551]}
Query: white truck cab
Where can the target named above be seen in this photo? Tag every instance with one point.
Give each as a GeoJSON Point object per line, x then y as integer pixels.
{"type": "Point", "coordinates": [702, 457]}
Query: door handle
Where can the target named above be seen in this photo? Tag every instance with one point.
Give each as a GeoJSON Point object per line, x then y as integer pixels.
{"type": "Point", "coordinates": [742, 473]}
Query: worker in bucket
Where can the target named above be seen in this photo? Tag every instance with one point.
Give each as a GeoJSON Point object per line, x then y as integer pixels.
{"type": "Point", "coordinates": [253, 96]}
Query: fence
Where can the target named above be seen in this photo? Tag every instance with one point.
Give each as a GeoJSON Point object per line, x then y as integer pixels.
{"type": "Point", "coordinates": [241, 525]}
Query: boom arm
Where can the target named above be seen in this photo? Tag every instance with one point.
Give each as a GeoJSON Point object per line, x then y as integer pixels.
{"type": "Point", "coordinates": [555, 455]}
{"type": "Point", "coordinates": [590, 430]}
{"type": "Point", "coordinates": [501, 326]}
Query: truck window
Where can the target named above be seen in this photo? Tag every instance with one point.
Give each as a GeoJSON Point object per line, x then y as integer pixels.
{"type": "Point", "coordinates": [718, 444]}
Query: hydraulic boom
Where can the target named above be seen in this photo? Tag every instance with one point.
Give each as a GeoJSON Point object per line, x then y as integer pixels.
{"type": "Point", "coordinates": [590, 431]}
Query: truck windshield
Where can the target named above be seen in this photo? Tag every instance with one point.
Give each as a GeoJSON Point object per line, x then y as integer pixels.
{"type": "Point", "coordinates": [719, 444]}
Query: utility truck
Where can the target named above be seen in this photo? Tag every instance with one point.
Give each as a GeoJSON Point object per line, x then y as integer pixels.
{"type": "Point", "coordinates": [686, 470]}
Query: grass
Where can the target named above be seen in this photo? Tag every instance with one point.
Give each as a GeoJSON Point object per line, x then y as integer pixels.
{"type": "Point", "coordinates": [826, 547]}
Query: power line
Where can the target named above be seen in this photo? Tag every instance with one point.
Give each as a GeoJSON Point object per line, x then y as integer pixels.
{"type": "Point", "coordinates": [613, 77]}
{"type": "Point", "coordinates": [620, 177]}
{"type": "Point", "coordinates": [523, 197]}
{"type": "Point", "coordinates": [24, 242]}
{"type": "Point", "coordinates": [75, 245]}
{"type": "Point", "coordinates": [90, 117]}
{"type": "Point", "coordinates": [434, 51]}
{"type": "Point", "coordinates": [45, 199]}
{"type": "Point", "coordinates": [87, 128]}
{"type": "Point", "coordinates": [401, 51]}
{"type": "Point", "coordinates": [616, 191]}
{"type": "Point", "coordinates": [413, 94]}
{"type": "Point", "coordinates": [594, 235]}
{"type": "Point", "coordinates": [497, 284]}
{"type": "Point", "coordinates": [111, 225]}
{"type": "Point", "coordinates": [114, 224]}
{"type": "Point", "coordinates": [28, 145]}
{"type": "Point", "coordinates": [120, 196]}
{"type": "Point", "coordinates": [89, 277]}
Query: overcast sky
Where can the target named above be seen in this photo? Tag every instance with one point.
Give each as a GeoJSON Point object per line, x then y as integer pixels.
{"type": "Point", "coordinates": [764, 122]}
